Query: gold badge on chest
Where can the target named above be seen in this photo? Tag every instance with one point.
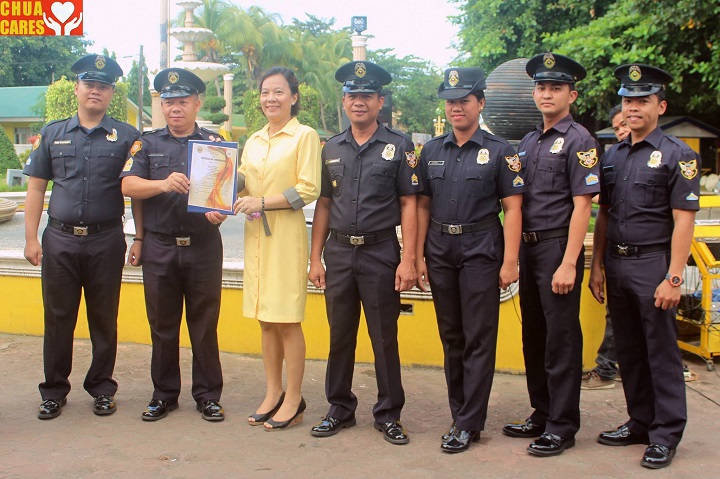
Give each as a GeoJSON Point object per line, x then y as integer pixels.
{"type": "Point", "coordinates": [483, 157]}
{"type": "Point", "coordinates": [557, 146]}
{"type": "Point", "coordinates": [112, 136]}
{"type": "Point", "coordinates": [389, 152]}
{"type": "Point", "coordinates": [655, 159]}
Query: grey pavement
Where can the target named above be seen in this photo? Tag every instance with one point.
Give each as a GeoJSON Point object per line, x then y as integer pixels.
{"type": "Point", "coordinates": [79, 444]}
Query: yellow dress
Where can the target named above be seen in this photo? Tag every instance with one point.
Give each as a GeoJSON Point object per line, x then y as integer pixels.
{"type": "Point", "coordinates": [275, 276]}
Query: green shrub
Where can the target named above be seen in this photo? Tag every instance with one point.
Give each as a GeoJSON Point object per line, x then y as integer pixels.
{"type": "Point", "coordinates": [61, 102]}
{"type": "Point", "coordinates": [8, 158]}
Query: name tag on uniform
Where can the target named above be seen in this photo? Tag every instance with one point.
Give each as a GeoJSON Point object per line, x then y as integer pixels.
{"type": "Point", "coordinates": [156, 154]}
{"type": "Point", "coordinates": [522, 154]}
{"type": "Point", "coordinates": [334, 160]}
{"type": "Point", "coordinates": [62, 142]}
{"type": "Point", "coordinates": [436, 163]}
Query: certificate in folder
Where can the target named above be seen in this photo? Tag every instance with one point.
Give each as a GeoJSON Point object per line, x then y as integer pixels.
{"type": "Point", "coordinates": [212, 170]}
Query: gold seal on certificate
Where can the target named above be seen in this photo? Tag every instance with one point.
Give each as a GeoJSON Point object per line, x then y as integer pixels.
{"type": "Point", "coordinates": [211, 170]}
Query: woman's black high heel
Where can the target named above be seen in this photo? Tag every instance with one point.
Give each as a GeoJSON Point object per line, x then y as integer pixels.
{"type": "Point", "coordinates": [258, 419]}
{"type": "Point", "coordinates": [296, 419]}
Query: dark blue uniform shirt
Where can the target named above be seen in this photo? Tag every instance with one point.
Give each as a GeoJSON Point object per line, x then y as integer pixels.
{"type": "Point", "coordinates": [643, 183]}
{"type": "Point", "coordinates": [366, 181]}
{"type": "Point", "coordinates": [557, 165]}
{"type": "Point", "coordinates": [154, 157]}
{"type": "Point", "coordinates": [84, 167]}
{"type": "Point", "coordinates": [461, 179]}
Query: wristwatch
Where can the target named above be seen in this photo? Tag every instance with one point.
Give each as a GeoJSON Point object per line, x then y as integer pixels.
{"type": "Point", "coordinates": [674, 280]}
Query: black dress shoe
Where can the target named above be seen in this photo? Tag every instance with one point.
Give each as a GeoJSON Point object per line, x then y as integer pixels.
{"type": "Point", "coordinates": [657, 456]}
{"type": "Point", "coordinates": [259, 419]}
{"type": "Point", "coordinates": [523, 429]}
{"type": "Point", "coordinates": [549, 444]}
{"type": "Point", "coordinates": [621, 436]}
{"type": "Point", "coordinates": [272, 425]}
{"type": "Point", "coordinates": [51, 408]}
{"type": "Point", "coordinates": [460, 441]}
{"type": "Point", "coordinates": [393, 432]}
{"type": "Point", "coordinates": [158, 409]}
{"type": "Point", "coordinates": [330, 426]}
{"type": "Point", "coordinates": [451, 431]}
{"type": "Point", "coordinates": [104, 405]}
{"type": "Point", "coordinates": [211, 410]}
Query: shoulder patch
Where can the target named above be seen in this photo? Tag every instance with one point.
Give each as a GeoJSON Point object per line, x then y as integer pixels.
{"type": "Point", "coordinates": [688, 169]}
{"type": "Point", "coordinates": [513, 163]}
{"type": "Point", "coordinates": [137, 146]}
{"type": "Point", "coordinates": [411, 159]}
{"type": "Point", "coordinates": [36, 143]}
{"type": "Point", "coordinates": [589, 158]}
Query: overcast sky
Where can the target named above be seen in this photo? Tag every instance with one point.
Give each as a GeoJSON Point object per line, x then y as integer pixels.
{"type": "Point", "coordinates": [410, 27]}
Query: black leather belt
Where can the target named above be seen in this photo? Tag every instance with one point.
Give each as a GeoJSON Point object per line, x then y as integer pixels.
{"type": "Point", "coordinates": [358, 240]}
{"type": "Point", "coordinates": [84, 230]}
{"type": "Point", "coordinates": [176, 240]}
{"type": "Point", "coordinates": [537, 236]}
{"type": "Point", "coordinates": [631, 250]}
{"type": "Point", "coordinates": [458, 229]}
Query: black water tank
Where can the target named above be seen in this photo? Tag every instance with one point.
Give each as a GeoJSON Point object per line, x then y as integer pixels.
{"type": "Point", "coordinates": [510, 110]}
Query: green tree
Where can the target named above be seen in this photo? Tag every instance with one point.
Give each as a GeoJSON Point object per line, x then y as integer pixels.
{"type": "Point", "coordinates": [8, 158]}
{"type": "Point", "coordinates": [35, 61]}
{"type": "Point", "coordinates": [61, 103]}
{"type": "Point", "coordinates": [495, 31]}
{"type": "Point", "coordinates": [414, 88]}
{"type": "Point", "coordinates": [214, 104]}
{"type": "Point", "coordinates": [133, 84]}
{"type": "Point", "coordinates": [255, 120]}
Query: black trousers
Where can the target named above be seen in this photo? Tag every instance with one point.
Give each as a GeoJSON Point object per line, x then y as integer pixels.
{"type": "Point", "coordinates": [647, 350]}
{"type": "Point", "coordinates": [363, 275]}
{"type": "Point", "coordinates": [463, 271]}
{"type": "Point", "coordinates": [552, 338]}
{"type": "Point", "coordinates": [71, 265]}
{"type": "Point", "coordinates": [193, 275]}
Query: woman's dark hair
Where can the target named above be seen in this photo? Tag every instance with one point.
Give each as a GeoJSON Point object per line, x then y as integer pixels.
{"type": "Point", "coordinates": [292, 81]}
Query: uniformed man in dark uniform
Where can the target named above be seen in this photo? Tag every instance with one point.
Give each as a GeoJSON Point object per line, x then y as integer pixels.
{"type": "Point", "coordinates": [467, 252]}
{"type": "Point", "coordinates": [560, 164]}
{"type": "Point", "coordinates": [650, 192]}
{"type": "Point", "coordinates": [83, 248]}
{"type": "Point", "coordinates": [370, 181]}
{"type": "Point", "coordinates": [181, 252]}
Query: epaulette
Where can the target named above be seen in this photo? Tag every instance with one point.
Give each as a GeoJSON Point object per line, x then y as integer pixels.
{"type": "Point", "coordinates": [124, 122]}
{"type": "Point", "coordinates": [438, 138]}
{"type": "Point", "coordinates": [152, 131]}
{"type": "Point", "coordinates": [210, 132]}
{"type": "Point", "coordinates": [399, 133]}
{"type": "Point", "coordinates": [337, 134]}
{"type": "Point", "coordinates": [55, 121]}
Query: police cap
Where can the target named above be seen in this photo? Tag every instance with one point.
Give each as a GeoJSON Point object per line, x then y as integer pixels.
{"type": "Point", "coordinates": [460, 82]}
{"type": "Point", "coordinates": [637, 79]}
{"type": "Point", "coordinates": [177, 82]}
{"type": "Point", "coordinates": [554, 67]}
{"type": "Point", "coordinates": [97, 68]}
{"type": "Point", "coordinates": [362, 77]}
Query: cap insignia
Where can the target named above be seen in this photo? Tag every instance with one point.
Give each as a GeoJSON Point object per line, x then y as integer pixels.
{"type": "Point", "coordinates": [548, 60]}
{"type": "Point", "coordinates": [635, 73]}
{"type": "Point", "coordinates": [100, 62]}
{"type": "Point", "coordinates": [360, 70]}
{"type": "Point", "coordinates": [453, 78]}
{"type": "Point", "coordinates": [173, 77]}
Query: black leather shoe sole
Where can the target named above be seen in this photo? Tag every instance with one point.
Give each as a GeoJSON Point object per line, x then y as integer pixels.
{"type": "Point", "coordinates": [629, 441]}
{"type": "Point", "coordinates": [165, 412]}
{"type": "Point", "coordinates": [331, 432]}
{"type": "Point", "coordinates": [554, 451]}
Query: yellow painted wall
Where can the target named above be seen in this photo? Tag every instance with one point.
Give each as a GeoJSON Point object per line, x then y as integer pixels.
{"type": "Point", "coordinates": [693, 143]}
{"type": "Point", "coordinates": [418, 337]}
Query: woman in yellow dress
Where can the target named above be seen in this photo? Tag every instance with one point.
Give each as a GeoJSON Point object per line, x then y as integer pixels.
{"type": "Point", "coordinates": [281, 169]}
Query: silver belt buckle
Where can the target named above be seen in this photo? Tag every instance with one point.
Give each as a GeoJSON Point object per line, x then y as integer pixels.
{"type": "Point", "coordinates": [357, 240]}
{"type": "Point", "coordinates": [530, 237]}
{"type": "Point", "coordinates": [623, 250]}
{"type": "Point", "coordinates": [80, 230]}
{"type": "Point", "coordinates": [182, 241]}
{"type": "Point", "coordinates": [454, 229]}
